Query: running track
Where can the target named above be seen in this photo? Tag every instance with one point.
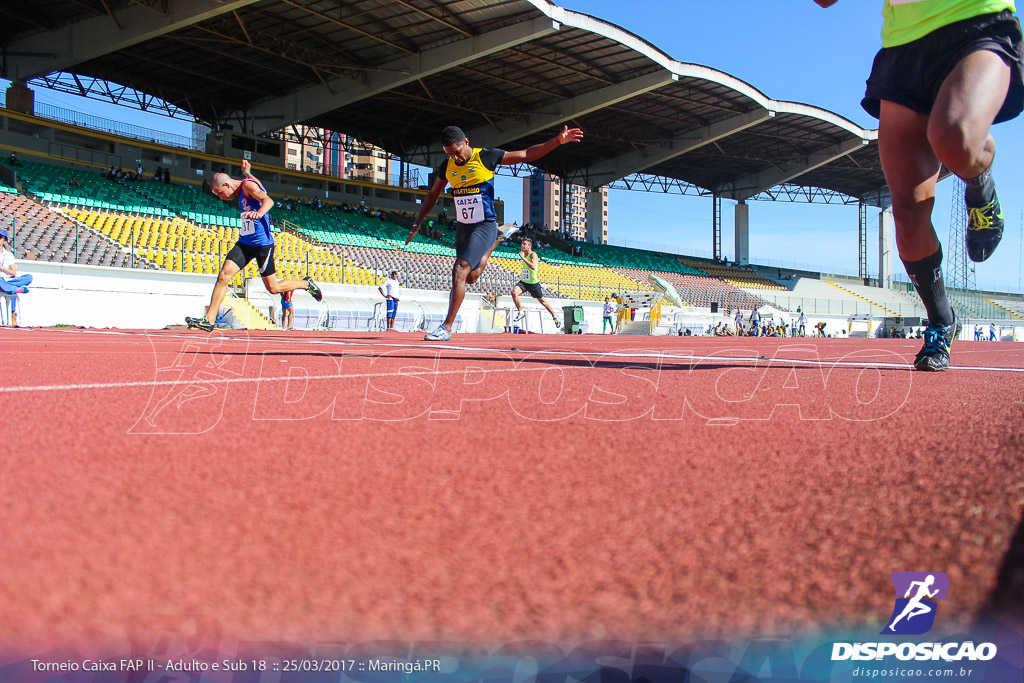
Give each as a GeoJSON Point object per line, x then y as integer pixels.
{"type": "Point", "coordinates": [369, 496]}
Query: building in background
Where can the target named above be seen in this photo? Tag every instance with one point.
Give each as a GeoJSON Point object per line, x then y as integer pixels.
{"type": "Point", "coordinates": [304, 149]}
{"type": "Point", "coordinates": [367, 163]}
{"type": "Point", "coordinates": [315, 150]}
{"type": "Point", "coordinates": [561, 207]}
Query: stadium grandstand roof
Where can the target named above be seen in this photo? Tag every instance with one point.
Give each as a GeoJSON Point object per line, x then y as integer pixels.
{"type": "Point", "coordinates": [394, 72]}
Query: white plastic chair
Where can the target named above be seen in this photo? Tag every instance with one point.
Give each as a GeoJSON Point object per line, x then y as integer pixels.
{"type": "Point", "coordinates": [9, 303]}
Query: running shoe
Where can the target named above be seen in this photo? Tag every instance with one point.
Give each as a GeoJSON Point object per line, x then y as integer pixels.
{"type": "Point", "coordinates": [313, 290]}
{"type": "Point", "coordinates": [984, 229]}
{"type": "Point", "coordinates": [558, 324]}
{"type": "Point", "coordinates": [938, 340]}
{"type": "Point", "coordinates": [440, 334]}
{"type": "Point", "coordinates": [508, 232]}
{"type": "Point", "coordinates": [200, 324]}
{"type": "Point", "coordinates": [518, 317]}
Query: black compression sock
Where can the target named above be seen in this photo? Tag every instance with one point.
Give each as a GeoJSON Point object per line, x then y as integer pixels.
{"type": "Point", "coordinates": [980, 190]}
{"type": "Point", "coordinates": [926, 275]}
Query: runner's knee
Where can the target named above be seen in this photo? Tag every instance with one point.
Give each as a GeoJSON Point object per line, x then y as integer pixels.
{"type": "Point", "coordinates": [958, 145]}
{"type": "Point", "coordinates": [911, 215]}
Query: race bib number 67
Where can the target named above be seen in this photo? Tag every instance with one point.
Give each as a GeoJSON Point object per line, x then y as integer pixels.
{"type": "Point", "coordinates": [469, 209]}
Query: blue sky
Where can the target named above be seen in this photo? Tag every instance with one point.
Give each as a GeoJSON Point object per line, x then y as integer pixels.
{"type": "Point", "coordinates": [790, 50]}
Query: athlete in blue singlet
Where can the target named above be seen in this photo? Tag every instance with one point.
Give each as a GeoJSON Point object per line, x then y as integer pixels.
{"type": "Point", "coordinates": [255, 241]}
{"type": "Point", "coordinates": [471, 174]}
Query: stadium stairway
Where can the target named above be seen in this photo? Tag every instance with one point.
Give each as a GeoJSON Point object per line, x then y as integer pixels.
{"type": "Point", "coordinates": [888, 311]}
{"type": "Point", "coordinates": [703, 290]}
{"type": "Point", "coordinates": [248, 316]}
{"type": "Point", "coordinates": [1009, 312]}
{"type": "Point", "coordinates": [637, 327]}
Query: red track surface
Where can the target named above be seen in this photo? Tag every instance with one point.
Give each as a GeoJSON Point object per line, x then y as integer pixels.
{"type": "Point", "coordinates": [161, 478]}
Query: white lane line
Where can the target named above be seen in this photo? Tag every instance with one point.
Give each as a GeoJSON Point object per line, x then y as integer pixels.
{"type": "Point", "coordinates": [657, 355]}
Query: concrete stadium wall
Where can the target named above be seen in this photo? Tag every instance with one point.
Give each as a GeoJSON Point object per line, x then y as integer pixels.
{"type": "Point", "coordinates": [101, 296]}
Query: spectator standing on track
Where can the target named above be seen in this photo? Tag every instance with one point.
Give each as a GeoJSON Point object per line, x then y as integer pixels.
{"type": "Point", "coordinates": [946, 72]}
{"type": "Point", "coordinates": [977, 333]}
{"type": "Point", "coordinates": [621, 315]}
{"type": "Point", "coordinates": [255, 242]}
{"type": "Point", "coordinates": [287, 309]}
{"type": "Point", "coordinates": [530, 282]}
{"type": "Point", "coordinates": [755, 322]}
{"type": "Point", "coordinates": [609, 308]}
{"type": "Point", "coordinates": [992, 336]}
{"type": "Point", "coordinates": [802, 323]}
{"type": "Point", "coordinates": [738, 322]}
{"type": "Point", "coordinates": [390, 290]}
{"type": "Point", "coordinates": [470, 171]}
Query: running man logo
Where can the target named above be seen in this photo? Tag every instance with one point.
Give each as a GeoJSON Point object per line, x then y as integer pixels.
{"type": "Point", "coordinates": [914, 612]}
{"type": "Point", "coordinates": [190, 386]}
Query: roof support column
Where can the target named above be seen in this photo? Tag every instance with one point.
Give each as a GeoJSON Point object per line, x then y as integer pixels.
{"type": "Point", "coordinates": [886, 232]}
{"type": "Point", "coordinates": [596, 216]}
{"type": "Point", "coordinates": [742, 233]}
{"type": "Point", "coordinates": [862, 240]}
{"type": "Point", "coordinates": [716, 226]}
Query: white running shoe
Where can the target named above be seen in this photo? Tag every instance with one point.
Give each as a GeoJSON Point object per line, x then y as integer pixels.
{"type": "Point", "coordinates": [508, 231]}
{"type": "Point", "coordinates": [440, 334]}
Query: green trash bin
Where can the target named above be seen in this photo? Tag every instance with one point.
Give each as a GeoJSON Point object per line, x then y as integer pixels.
{"type": "Point", "coordinates": [572, 319]}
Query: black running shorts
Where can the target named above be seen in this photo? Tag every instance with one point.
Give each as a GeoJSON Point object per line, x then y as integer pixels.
{"type": "Point", "coordinates": [912, 74]}
{"type": "Point", "coordinates": [241, 254]}
{"type": "Point", "coordinates": [535, 290]}
{"type": "Point", "coordinates": [474, 240]}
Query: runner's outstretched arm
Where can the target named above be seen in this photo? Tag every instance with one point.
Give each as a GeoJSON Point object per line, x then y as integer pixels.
{"type": "Point", "coordinates": [535, 152]}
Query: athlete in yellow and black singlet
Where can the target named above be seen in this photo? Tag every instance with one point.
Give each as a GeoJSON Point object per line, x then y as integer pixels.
{"type": "Point", "coordinates": [473, 185]}
{"type": "Point", "coordinates": [473, 193]}
{"type": "Point", "coordinates": [470, 172]}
